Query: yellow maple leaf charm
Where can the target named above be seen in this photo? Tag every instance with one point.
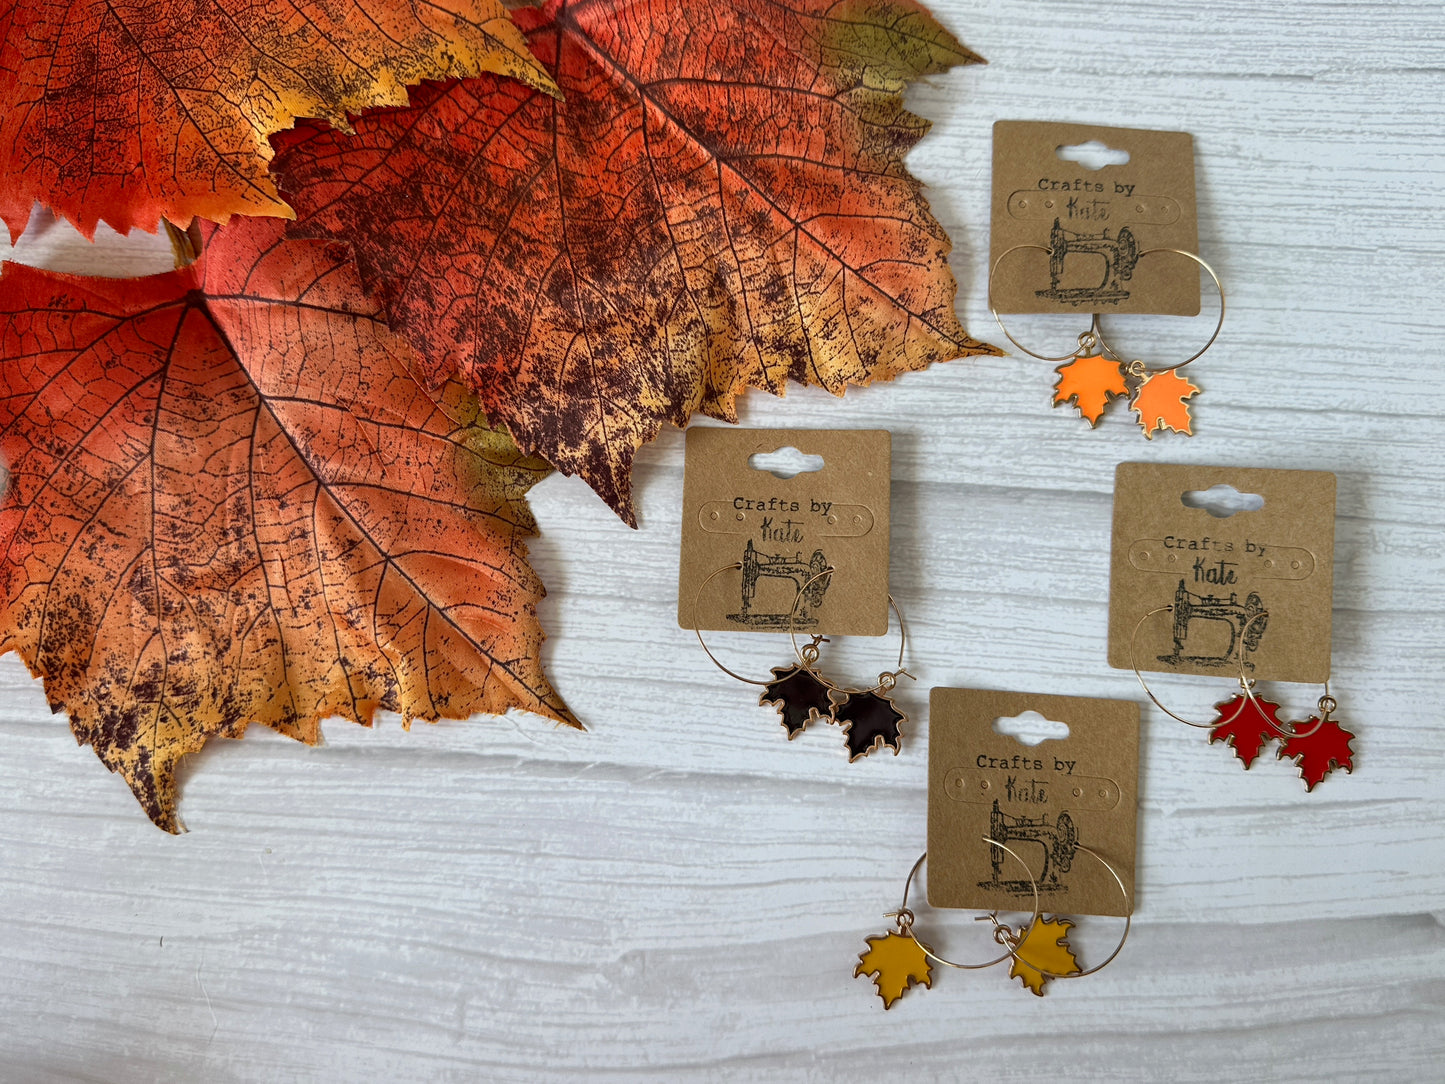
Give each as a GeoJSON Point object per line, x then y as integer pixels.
{"type": "Point", "coordinates": [1090, 381]}
{"type": "Point", "coordinates": [1046, 947]}
{"type": "Point", "coordinates": [896, 962]}
{"type": "Point", "coordinates": [1161, 403]}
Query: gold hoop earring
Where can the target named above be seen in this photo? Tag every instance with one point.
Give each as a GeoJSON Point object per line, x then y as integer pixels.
{"type": "Point", "coordinates": [797, 693]}
{"type": "Point", "coordinates": [1253, 722]}
{"type": "Point", "coordinates": [868, 716]}
{"type": "Point", "coordinates": [1095, 374]}
{"type": "Point", "coordinates": [898, 959]}
{"type": "Point", "coordinates": [802, 695]}
{"type": "Point", "coordinates": [1040, 950]}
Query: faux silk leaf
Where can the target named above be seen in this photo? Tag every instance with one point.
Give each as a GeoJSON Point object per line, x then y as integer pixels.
{"type": "Point", "coordinates": [130, 111]}
{"type": "Point", "coordinates": [718, 202]}
{"type": "Point", "coordinates": [230, 502]}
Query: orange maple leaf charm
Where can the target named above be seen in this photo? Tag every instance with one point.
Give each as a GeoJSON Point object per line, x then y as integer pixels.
{"type": "Point", "coordinates": [1161, 403]}
{"type": "Point", "coordinates": [896, 961]}
{"type": "Point", "coordinates": [1046, 947]}
{"type": "Point", "coordinates": [1090, 381]}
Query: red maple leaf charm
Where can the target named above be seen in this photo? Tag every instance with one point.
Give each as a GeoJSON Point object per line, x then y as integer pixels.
{"type": "Point", "coordinates": [1247, 724]}
{"type": "Point", "coordinates": [1323, 747]}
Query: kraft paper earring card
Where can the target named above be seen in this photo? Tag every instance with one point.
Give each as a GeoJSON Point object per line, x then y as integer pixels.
{"type": "Point", "coordinates": [777, 538]}
{"type": "Point", "coordinates": [1068, 238]}
{"type": "Point", "coordinates": [1234, 564]}
{"type": "Point", "coordinates": [1051, 803]}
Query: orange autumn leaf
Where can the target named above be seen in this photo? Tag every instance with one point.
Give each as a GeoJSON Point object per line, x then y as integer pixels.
{"type": "Point", "coordinates": [1090, 382]}
{"type": "Point", "coordinates": [230, 503]}
{"type": "Point", "coordinates": [1044, 948]}
{"type": "Point", "coordinates": [130, 111]}
{"type": "Point", "coordinates": [1162, 403]}
{"type": "Point", "coordinates": [718, 202]}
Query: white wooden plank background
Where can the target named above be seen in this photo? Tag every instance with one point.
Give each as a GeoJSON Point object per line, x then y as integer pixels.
{"type": "Point", "coordinates": [680, 893]}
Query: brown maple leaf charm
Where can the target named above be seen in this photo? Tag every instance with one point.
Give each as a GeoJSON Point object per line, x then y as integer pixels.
{"type": "Point", "coordinates": [799, 697]}
{"type": "Point", "coordinates": [1091, 381]}
{"type": "Point", "coordinates": [1161, 402]}
{"type": "Point", "coordinates": [869, 721]}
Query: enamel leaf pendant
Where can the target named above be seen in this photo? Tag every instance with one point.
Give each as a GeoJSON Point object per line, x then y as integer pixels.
{"type": "Point", "coordinates": [1159, 400]}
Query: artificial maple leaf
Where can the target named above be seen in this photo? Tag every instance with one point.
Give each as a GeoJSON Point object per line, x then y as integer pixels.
{"type": "Point", "coordinates": [230, 502]}
{"type": "Point", "coordinates": [1046, 947]}
{"type": "Point", "coordinates": [1090, 381]}
{"type": "Point", "coordinates": [718, 203]}
{"type": "Point", "coordinates": [799, 697]}
{"type": "Point", "coordinates": [1248, 724]}
{"type": "Point", "coordinates": [1162, 403]}
{"type": "Point", "coordinates": [869, 721]}
{"type": "Point", "coordinates": [130, 111]}
{"type": "Point", "coordinates": [1320, 750]}
{"type": "Point", "coordinates": [896, 962]}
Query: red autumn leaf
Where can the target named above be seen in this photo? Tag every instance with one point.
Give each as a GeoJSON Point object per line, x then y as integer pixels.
{"type": "Point", "coordinates": [1323, 747]}
{"type": "Point", "coordinates": [130, 111]}
{"type": "Point", "coordinates": [719, 202]}
{"type": "Point", "coordinates": [1247, 725]}
{"type": "Point", "coordinates": [229, 502]}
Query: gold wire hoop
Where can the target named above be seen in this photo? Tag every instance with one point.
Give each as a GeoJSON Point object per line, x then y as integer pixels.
{"type": "Point", "coordinates": [1325, 712]}
{"type": "Point", "coordinates": [1087, 340]}
{"type": "Point", "coordinates": [1128, 924]}
{"type": "Point", "coordinates": [1246, 685]}
{"type": "Point", "coordinates": [906, 917]}
{"type": "Point", "coordinates": [736, 566]}
{"type": "Point", "coordinates": [1095, 335]}
{"type": "Point", "coordinates": [886, 680]}
{"type": "Point", "coordinates": [1138, 368]}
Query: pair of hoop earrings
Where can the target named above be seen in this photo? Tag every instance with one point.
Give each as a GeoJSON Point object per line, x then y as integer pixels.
{"type": "Point", "coordinates": [1040, 950]}
{"type": "Point", "coordinates": [1247, 722]}
{"type": "Point", "coordinates": [1094, 374]}
{"type": "Point", "coordinates": [803, 695]}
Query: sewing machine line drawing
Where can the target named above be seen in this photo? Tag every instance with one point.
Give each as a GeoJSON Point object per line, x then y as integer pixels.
{"type": "Point", "coordinates": [758, 566]}
{"type": "Point", "coordinates": [1119, 253]}
{"type": "Point", "coordinates": [1059, 841]}
{"type": "Point", "coordinates": [1246, 620]}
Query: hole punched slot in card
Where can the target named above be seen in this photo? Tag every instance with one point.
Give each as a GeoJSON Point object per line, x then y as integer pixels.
{"type": "Point", "coordinates": [785, 528]}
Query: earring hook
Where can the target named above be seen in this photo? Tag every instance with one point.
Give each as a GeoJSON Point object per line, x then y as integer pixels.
{"type": "Point", "coordinates": [886, 680]}
{"type": "Point", "coordinates": [1143, 370]}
